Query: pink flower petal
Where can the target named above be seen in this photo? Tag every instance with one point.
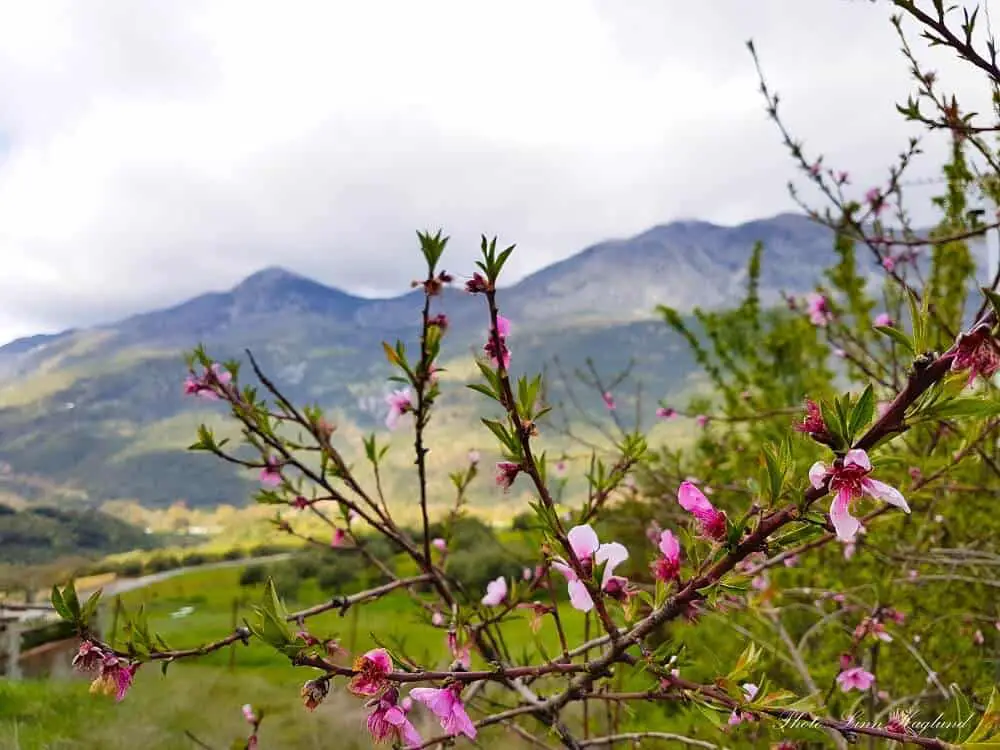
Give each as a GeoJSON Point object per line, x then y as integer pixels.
{"type": "Point", "coordinates": [817, 474]}
{"type": "Point", "coordinates": [692, 499]}
{"type": "Point", "coordinates": [614, 553]}
{"type": "Point", "coordinates": [503, 326]}
{"type": "Point", "coordinates": [583, 540]}
{"type": "Point", "coordinates": [579, 597]}
{"type": "Point", "coordinates": [560, 565]}
{"type": "Point", "coordinates": [857, 457]}
{"type": "Point", "coordinates": [884, 492]}
{"type": "Point", "coordinates": [844, 523]}
{"type": "Point", "coordinates": [669, 545]}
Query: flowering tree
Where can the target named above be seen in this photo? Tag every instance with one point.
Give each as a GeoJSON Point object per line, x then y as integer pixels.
{"type": "Point", "coordinates": [802, 521]}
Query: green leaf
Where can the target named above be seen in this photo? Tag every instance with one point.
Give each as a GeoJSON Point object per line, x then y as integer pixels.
{"type": "Point", "coordinates": [990, 720]}
{"type": "Point", "coordinates": [994, 299]}
{"type": "Point", "coordinates": [90, 607]}
{"type": "Point", "coordinates": [745, 664]}
{"type": "Point", "coordinates": [483, 389]}
{"type": "Point", "coordinates": [60, 604]}
{"type": "Point", "coordinates": [72, 603]}
{"type": "Point", "coordinates": [833, 423]}
{"type": "Point", "coordinates": [862, 413]}
{"type": "Point", "coordinates": [962, 407]}
{"type": "Point", "coordinates": [775, 476]}
{"type": "Point", "coordinates": [898, 336]}
{"type": "Point", "coordinates": [501, 433]}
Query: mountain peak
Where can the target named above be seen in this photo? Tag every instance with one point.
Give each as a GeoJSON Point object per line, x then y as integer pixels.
{"type": "Point", "coordinates": [267, 277]}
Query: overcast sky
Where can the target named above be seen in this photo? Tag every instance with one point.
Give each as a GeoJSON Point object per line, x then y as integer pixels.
{"type": "Point", "coordinates": [151, 150]}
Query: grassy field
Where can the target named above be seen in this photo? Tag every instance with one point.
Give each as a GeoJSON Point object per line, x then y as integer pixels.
{"type": "Point", "coordinates": [204, 697]}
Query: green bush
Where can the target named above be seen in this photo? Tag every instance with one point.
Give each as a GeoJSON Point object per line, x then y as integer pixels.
{"type": "Point", "coordinates": [253, 574]}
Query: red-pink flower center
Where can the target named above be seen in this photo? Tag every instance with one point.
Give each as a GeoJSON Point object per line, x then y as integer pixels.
{"type": "Point", "coordinates": [848, 477]}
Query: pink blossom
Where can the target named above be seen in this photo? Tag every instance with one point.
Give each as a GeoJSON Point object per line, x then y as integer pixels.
{"type": "Point", "coordinates": [371, 668]}
{"type": "Point", "coordinates": [437, 619]}
{"type": "Point", "coordinates": [668, 565]}
{"type": "Point", "coordinates": [874, 628]}
{"type": "Point", "coordinates": [978, 638]}
{"type": "Point", "coordinates": [889, 263]}
{"type": "Point", "coordinates": [477, 284]}
{"type": "Point", "coordinates": [701, 419]}
{"type": "Point", "coordinates": [89, 657]}
{"type": "Point", "coordinates": [791, 561]}
{"type": "Point", "coordinates": [507, 472]}
{"type": "Point", "coordinates": [248, 714]}
{"type": "Point", "coordinates": [977, 352]}
{"type": "Point", "coordinates": [855, 678]}
{"type": "Point", "coordinates": [338, 537]}
{"type": "Point", "coordinates": [527, 574]}
{"type": "Point", "coordinates": [883, 320]}
{"type": "Point", "coordinates": [473, 457]}
{"type": "Point", "coordinates": [490, 349]}
{"type": "Point", "coordinates": [653, 532]}
{"type": "Point", "coordinates": [300, 503]}
{"type": "Point", "coordinates": [848, 479]}
{"type": "Point", "coordinates": [308, 637]}
{"type": "Point", "coordinates": [560, 468]}
{"type": "Point", "coordinates": [895, 615]}
{"type": "Point", "coordinates": [814, 169]}
{"type": "Point", "coordinates": [712, 521]}
{"type": "Point", "coordinates": [899, 721]}
{"type": "Point", "coordinates": [439, 544]}
{"type": "Point", "coordinates": [270, 475]}
{"type": "Point", "coordinates": [496, 592]}
{"type": "Point", "coordinates": [759, 583]}
{"type": "Point", "coordinates": [204, 386]}
{"type": "Point", "coordinates": [812, 423]}
{"type": "Point", "coordinates": [839, 353]}
{"type": "Point", "coordinates": [820, 313]}
{"type": "Point", "coordinates": [115, 677]}
{"type": "Point", "coordinates": [749, 693]}
{"type": "Point", "coordinates": [388, 721]}
{"type": "Point", "coordinates": [503, 326]}
{"type": "Point", "coordinates": [446, 704]}
{"type": "Point", "coordinates": [875, 200]}
{"type": "Point", "coordinates": [590, 552]}
{"type": "Point", "coordinates": [400, 402]}
{"type": "Point", "coordinates": [460, 653]}
{"type": "Point", "coordinates": [665, 412]}
{"type": "Point", "coordinates": [609, 400]}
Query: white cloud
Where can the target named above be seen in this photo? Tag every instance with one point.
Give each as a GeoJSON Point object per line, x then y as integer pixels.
{"type": "Point", "coordinates": [158, 149]}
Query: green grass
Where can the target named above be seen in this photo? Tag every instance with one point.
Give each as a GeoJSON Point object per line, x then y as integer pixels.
{"type": "Point", "coordinates": [214, 594]}
{"type": "Point", "coordinates": [204, 697]}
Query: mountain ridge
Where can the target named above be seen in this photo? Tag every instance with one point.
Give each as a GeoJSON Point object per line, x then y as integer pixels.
{"type": "Point", "coordinates": [101, 413]}
{"type": "Point", "coordinates": [279, 279]}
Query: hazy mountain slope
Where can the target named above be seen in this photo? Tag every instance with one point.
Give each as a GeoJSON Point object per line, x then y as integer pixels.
{"type": "Point", "coordinates": [100, 414]}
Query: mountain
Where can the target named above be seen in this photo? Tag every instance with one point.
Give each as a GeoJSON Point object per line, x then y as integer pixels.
{"type": "Point", "coordinates": [89, 416]}
{"type": "Point", "coordinates": [41, 534]}
{"type": "Point", "coordinates": [683, 265]}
